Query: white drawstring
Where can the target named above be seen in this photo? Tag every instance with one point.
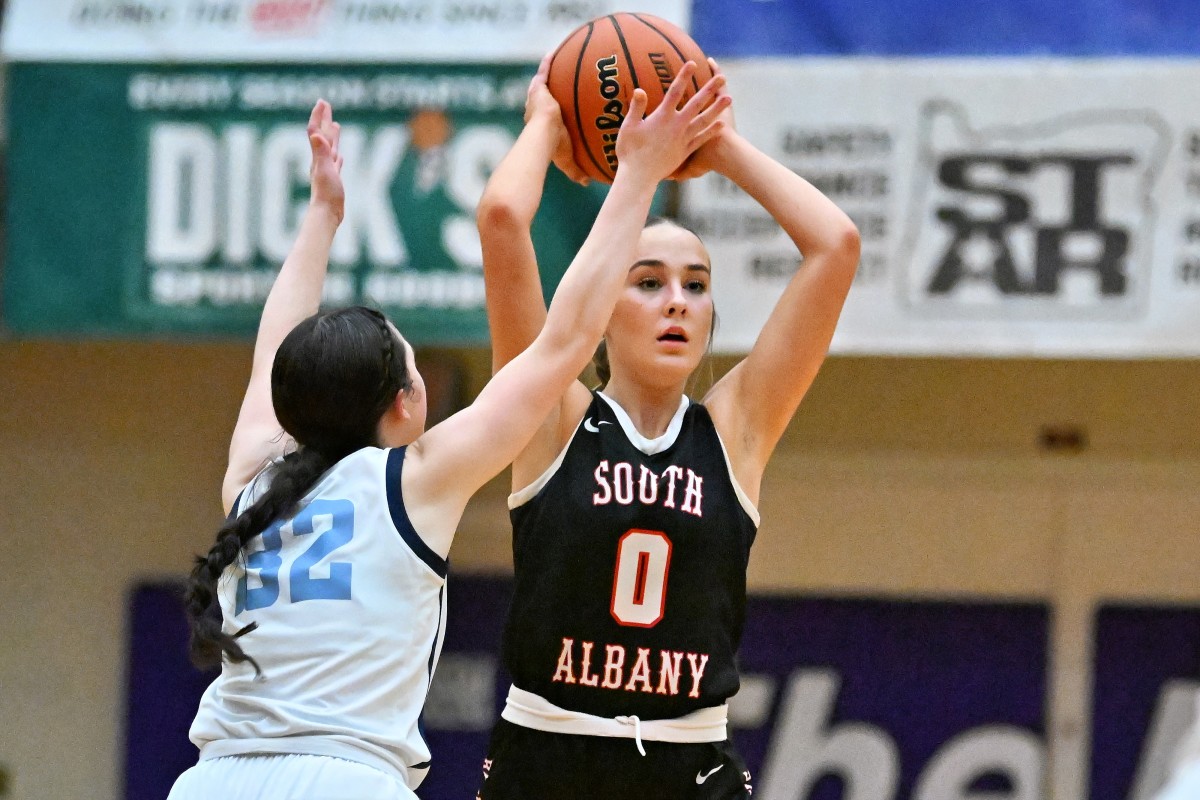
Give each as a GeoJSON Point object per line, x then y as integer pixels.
{"type": "Point", "coordinates": [636, 722]}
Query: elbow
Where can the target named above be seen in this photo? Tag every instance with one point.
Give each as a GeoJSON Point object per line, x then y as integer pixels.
{"type": "Point", "coordinates": [849, 241]}
{"type": "Point", "coordinates": [498, 213]}
{"type": "Point", "coordinates": [845, 244]}
{"type": "Point", "coordinates": [835, 240]}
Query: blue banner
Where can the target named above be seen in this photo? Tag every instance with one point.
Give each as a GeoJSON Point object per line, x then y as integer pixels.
{"type": "Point", "coordinates": [1086, 28]}
{"type": "Point", "coordinates": [162, 692]}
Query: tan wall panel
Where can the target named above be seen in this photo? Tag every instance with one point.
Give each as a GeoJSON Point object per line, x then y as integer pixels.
{"type": "Point", "coordinates": [112, 460]}
{"type": "Point", "coordinates": [1139, 537]}
{"type": "Point", "coordinates": [903, 525]}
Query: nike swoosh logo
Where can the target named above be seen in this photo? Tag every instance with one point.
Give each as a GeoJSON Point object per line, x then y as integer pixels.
{"type": "Point", "coordinates": [701, 777]}
{"type": "Point", "coordinates": [593, 427]}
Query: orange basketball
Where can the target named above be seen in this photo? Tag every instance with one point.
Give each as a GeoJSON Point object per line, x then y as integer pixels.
{"type": "Point", "coordinates": [597, 67]}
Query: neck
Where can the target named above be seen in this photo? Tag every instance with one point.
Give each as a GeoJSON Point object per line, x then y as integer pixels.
{"type": "Point", "coordinates": [650, 407]}
{"type": "Point", "coordinates": [397, 431]}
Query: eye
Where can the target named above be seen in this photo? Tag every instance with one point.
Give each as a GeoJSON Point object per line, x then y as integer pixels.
{"type": "Point", "coordinates": [697, 286]}
{"type": "Point", "coordinates": [649, 283]}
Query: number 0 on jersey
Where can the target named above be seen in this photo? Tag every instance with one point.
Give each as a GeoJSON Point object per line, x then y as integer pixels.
{"type": "Point", "coordinates": [640, 583]}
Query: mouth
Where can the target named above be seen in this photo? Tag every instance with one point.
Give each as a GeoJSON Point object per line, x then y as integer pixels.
{"type": "Point", "coordinates": [673, 334]}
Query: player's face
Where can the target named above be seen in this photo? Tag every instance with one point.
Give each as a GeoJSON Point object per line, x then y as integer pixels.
{"type": "Point", "coordinates": [660, 327]}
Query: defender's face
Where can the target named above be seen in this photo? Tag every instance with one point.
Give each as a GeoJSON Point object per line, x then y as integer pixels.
{"type": "Point", "coordinates": [416, 395]}
{"type": "Point", "coordinates": [415, 400]}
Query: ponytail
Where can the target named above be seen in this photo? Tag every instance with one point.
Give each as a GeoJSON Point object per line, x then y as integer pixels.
{"type": "Point", "coordinates": [600, 364]}
{"type": "Point", "coordinates": [290, 481]}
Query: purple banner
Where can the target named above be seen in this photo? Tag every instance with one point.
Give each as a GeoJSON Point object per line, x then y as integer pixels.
{"type": "Point", "coordinates": [886, 700]}
{"type": "Point", "coordinates": [1147, 683]}
{"type": "Point", "coordinates": [841, 699]}
{"type": "Point", "coordinates": [162, 692]}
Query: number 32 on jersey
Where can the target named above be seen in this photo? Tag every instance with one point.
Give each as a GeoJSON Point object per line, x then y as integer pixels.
{"type": "Point", "coordinates": [333, 521]}
{"type": "Point", "coordinates": [640, 581]}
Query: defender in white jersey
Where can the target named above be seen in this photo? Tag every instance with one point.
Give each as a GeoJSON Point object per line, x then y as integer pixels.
{"type": "Point", "coordinates": [323, 598]}
{"type": "Point", "coordinates": [369, 598]}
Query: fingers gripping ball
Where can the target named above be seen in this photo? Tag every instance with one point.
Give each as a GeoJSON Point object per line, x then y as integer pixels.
{"type": "Point", "coordinates": [597, 67]}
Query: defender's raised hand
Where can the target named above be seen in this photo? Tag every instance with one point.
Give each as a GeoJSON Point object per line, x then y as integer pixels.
{"type": "Point", "coordinates": [708, 157]}
{"type": "Point", "coordinates": [660, 141]}
{"type": "Point", "coordinates": [325, 173]}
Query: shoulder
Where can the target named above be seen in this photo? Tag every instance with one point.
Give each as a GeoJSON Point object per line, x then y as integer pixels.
{"type": "Point", "coordinates": [739, 440]}
{"type": "Point", "coordinates": [369, 457]}
{"type": "Point", "coordinates": [698, 407]}
{"type": "Point", "coordinates": [369, 465]}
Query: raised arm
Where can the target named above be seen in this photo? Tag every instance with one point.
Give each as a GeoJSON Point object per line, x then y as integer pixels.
{"type": "Point", "coordinates": [754, 402]}
{"type": "Point", "coordinates": [295, 295]}
{"type": "Point", "coordinates": [455, 458]}
{"type": "Point", "coordinates": [515, 306]}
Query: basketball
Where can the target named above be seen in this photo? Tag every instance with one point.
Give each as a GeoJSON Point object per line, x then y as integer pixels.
{"type": "Point", "coordinates": [595, 70]}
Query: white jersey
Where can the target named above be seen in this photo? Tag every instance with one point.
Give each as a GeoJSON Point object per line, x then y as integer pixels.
{"type": "Point", "coordinates": [350, 606]}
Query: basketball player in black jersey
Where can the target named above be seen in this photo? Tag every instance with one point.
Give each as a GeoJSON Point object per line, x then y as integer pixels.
{"type": "Point", "coordinates": [634, 508]}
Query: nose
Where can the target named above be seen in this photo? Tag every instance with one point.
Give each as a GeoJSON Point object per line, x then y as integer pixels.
{"type": "Point", "coordinates": [677, 301]}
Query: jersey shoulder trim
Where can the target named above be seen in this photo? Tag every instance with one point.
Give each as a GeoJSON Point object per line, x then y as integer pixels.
{"type": "Point", "coordinates": [236, 509]}
{"type": "Point", "coordinates": [743, 498]}
{"type": "Point", "coordinates": [523, 496]}
{"type": "Point", "coordinates": [395, 501]}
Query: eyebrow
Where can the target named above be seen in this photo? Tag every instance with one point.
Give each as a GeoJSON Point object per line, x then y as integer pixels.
{"type": "Point", "coordinates": [654, 262]}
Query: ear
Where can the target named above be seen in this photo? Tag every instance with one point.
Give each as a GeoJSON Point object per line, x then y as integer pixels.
{"type": "Point", "coordinates": [398, 407]}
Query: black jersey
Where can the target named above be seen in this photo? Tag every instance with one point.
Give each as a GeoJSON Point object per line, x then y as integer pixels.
{"type": "Point", "coordinates": [630, 559]}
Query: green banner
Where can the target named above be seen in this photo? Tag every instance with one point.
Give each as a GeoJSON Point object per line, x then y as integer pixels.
{"type": "Point", "coordinates": [161, 200]}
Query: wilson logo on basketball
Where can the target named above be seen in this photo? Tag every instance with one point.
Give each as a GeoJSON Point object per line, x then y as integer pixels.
{"type": "Point", "coordinates": [613, 115]}
{"type": "Point", "coordinates": [596, 70]}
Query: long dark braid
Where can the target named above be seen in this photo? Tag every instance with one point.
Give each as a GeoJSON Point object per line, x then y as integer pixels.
{"type": "Point", "coordinates": [333, 377]}
{"type": "Point", "coordinates": [290, 481]}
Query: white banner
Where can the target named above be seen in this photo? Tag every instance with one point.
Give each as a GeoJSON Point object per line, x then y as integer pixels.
{"type": "Point", "coordinates": [1007, 207]}
{"type": "Point", "coordinates": [344, 31]}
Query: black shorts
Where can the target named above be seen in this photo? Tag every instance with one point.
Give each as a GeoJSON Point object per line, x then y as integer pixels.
{"type": "Point", "coordinates": [525, 764]}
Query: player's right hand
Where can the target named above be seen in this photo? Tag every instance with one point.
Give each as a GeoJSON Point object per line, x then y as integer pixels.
{"type": "Point", "coordinates": [541, 105]}
{"type": "Point", "coordinates": [325, 173]}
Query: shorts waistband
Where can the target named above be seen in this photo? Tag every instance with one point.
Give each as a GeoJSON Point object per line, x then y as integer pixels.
{"type": "Point", "coordinates": [312, 746]}
{"type": "Point", "coordinates": [530, 710]}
